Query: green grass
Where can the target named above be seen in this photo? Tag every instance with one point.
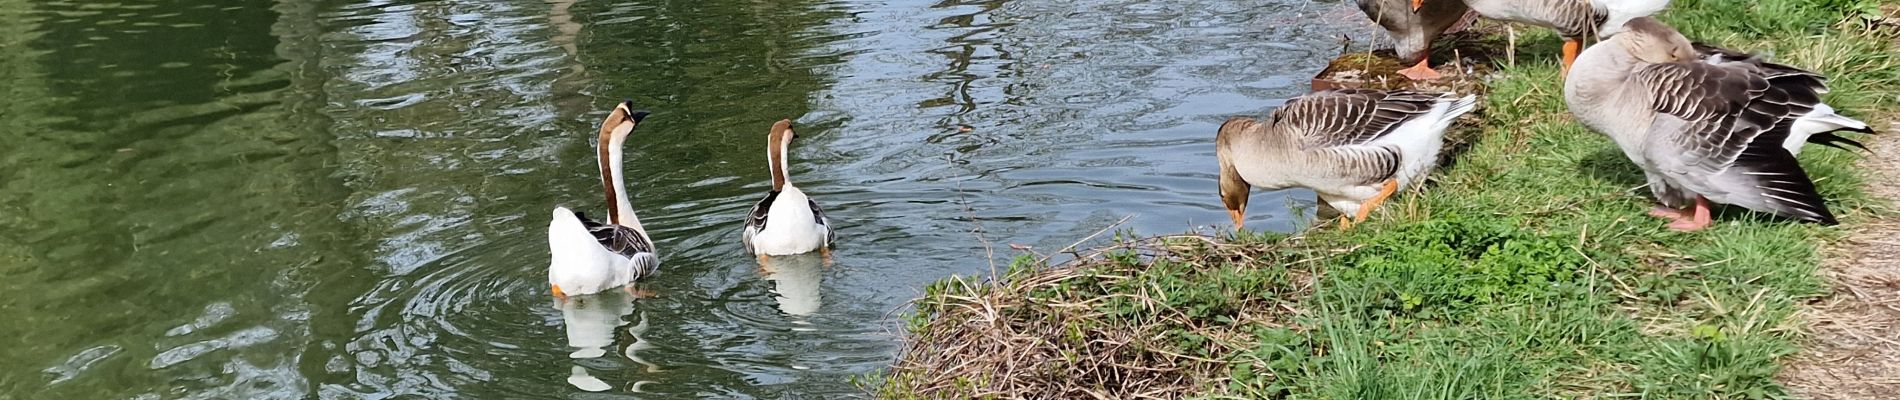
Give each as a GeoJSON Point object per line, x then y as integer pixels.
{"type": "Point", "coordinates": [1526, 269]}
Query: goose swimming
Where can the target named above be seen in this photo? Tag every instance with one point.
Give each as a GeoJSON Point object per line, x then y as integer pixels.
{"type": "Point", "coordinates": [590, 256]}
{"type": "Point", "coordinates": [1706, 124]}
{"type": "Point", "coordinates": [1354, 147]}
{"type": "Point", "coordinates": [785, 222]}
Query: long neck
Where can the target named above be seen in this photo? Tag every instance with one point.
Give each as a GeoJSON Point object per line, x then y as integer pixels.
{"type": "Point", "coordinates": [619, 210]}
{"type": "Point", "coordinates": [775, 154]}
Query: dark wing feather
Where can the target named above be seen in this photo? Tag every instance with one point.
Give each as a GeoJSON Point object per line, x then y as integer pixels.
{"type": "Point", "coordinates": [1804, 88]}
{"type": "Point", "coordinates": [1735, 121]}
{"type": "Point", "coordinates": [755, 220]}
{"type": "Point", "coordinates": [618, 239]}
{"type": "Point", "coordinates": [830, 233]}
{"type": "Point", "coordinates": [1349, 116]}
{"type": "Point", "coordinates": [1724, 108]}
{"type": "Point", "coordinates": [1784, 185]}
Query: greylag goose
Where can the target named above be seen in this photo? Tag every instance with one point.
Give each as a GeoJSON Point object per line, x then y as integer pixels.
{"type": "Point", "coordinates": [1573, 19]}
{"type": "Point", "coordinates": [1354, 147]}
{"type": "Point", "coordinates": [1413, 27]}
{"type": "Point", "coordinates": [1707, 125]}
{"type": "Point", "coordinates": [589, 256]}
{"type": "Point", "coordinates": [785, 222]}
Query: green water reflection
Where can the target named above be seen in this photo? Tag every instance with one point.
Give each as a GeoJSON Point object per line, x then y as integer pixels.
{"type": "Point", "coordinates": [346, 199]}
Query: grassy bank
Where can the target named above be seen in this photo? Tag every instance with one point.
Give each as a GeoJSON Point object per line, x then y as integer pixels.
{"type": "Point", "coordinates": [1527, 269]}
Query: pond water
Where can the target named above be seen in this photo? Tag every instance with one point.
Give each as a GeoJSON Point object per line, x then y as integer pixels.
{"type": "Point", "coordinates": [347, 199]}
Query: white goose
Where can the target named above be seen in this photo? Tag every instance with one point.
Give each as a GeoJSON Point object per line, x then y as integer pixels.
{"type": "Point", "coordinates": [785, 222]}
{"type": "Point", "coordinates": [1354, 147]}
{"type": "Point", "coordinates": [1707, 124]}
{"type": "Point", "coordinates": [590, 256]}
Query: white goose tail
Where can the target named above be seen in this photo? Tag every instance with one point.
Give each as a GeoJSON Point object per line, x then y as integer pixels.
{"type": "Point", "coordinates": [1818, 127]}
{"type": "Point", "coordinates": [1420, 139]}
{"type": "Point", "coordinates": [575, 263]}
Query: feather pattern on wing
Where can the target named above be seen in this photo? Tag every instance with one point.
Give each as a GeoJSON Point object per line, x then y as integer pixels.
{"type": "Point", "coordinates": [624, 241]}
{"type": "Point", "coordinates": [1349, 116]}
{"type": "Point", "coordinates": [755, 220]}
{"type": "Point", "coordinates": [831, 234]}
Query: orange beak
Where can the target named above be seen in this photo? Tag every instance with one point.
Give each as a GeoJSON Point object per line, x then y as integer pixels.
{"type": "Point", "coordinates": [1239, 216]}
{"type": "Point", "coordinates": [557, 292]}
{"type": "Point", "coordinates": [1416, 4]}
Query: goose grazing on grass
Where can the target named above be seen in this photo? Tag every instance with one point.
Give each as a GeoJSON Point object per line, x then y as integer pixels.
{"type": "Point", "coordinates": [1573, 19]}
{"type": "Point", "coordinates": [590, 256]}
{"type": "Point", "coordinates": [1354, 147]}
{"type": "Point", "coordinates": [785, 222]}
{"type": "Point", "coordinates": [1413, 27]}
{"type": "Point", "coordinates": [1707, 125]}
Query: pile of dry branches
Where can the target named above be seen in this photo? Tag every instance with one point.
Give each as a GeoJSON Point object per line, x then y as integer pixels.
{"type": "Point", "coordinates": [1058, 332]}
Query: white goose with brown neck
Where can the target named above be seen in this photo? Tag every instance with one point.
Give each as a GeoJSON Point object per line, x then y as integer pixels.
{"type": "Point", "coordinates": [588, 256]}
{"type": "Point", "coordinates": [785, 222]}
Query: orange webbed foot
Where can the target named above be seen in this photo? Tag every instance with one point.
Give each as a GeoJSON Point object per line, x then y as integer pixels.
{"type": "Point", "coordinates": [1421, 72]}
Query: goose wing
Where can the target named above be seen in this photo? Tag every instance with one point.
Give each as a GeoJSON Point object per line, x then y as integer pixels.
{"type": "Point", "coordinates": [625, 241]}
{"type": "Point", "coordinates": [755, 220]}
{"type": "Point", "coordinates": [1349, 116]}
{"type": "Point", "coordinates": [1721, 126]}
{"type": "Point", "coordinates": [819, 215]}
{"type": "Point", "coordinates": [1319, 168]}
{"type": "Point", "coordinates": [1804, 88]}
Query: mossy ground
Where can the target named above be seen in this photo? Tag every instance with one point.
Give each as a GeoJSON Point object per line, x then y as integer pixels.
{"type": "Point", "coordinates": [1526, 269]}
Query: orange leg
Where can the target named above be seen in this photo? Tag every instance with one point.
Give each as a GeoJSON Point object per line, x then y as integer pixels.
{"type": "Point", "coordinates": [1666, 212]}
{"type": "Point", "coordinates": [825, 252]}
{"type": "Point", "coordinates": [1365, 210]}
{"type": "Point", "coordinates": [762, 260]}
{"type": "Point", "coordinates": [1345, 222]}
{"type": "Point", "coordinates": [1694, 220]}
{"type": "Point", "coordinates": [1572, 47]}
{"type": "Point", "coordinates": [1421, 72]}
{"type": "Point", "coordinates": [639, 293]}
{"type": "Point", "coordinates": [1416, 4]}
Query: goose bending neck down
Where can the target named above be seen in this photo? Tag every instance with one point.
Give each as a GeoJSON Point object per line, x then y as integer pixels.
{"type": "Point", "coordinates": [785, 222]}
{"type": "Point", "coordinates": [588, 256]}
{"type": "Point", "coordinates": [1354, 147]}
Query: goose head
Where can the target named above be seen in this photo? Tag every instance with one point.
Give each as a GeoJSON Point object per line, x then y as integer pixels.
{"type": "Point", "coordinates": [620, 122]}
{"type": "Point", "coordinates": [1653, 42]}
{"type": "Point", "coordinates": [1233, 188]}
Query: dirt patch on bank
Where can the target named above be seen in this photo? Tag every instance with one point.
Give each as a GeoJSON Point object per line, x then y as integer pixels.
{"type": "Point", "coordinates": [1853, 351]}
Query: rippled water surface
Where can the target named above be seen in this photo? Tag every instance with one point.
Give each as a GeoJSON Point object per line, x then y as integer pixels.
{"type": "Point", "coordinates": [348, 199]}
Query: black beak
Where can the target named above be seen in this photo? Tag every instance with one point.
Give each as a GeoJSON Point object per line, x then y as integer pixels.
{"type": "Point", "coordinates": [634, 115]}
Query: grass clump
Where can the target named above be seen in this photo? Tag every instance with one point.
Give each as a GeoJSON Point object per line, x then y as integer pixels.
{"type": "Point", "coordinates": [1525, 269]}
{"type": "Point", "coordinates": [1146, 318]}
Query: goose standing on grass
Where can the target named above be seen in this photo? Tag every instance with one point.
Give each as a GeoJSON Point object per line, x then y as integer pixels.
{"type": "Point", "coordinates": [1413, 27]}
{"type": "Point", "coordinates": [1707, 125]}
{"type": "Point", "coordinates": [785, 222]}
{"type": "Point", "coordinates": [1354, 147]}
{"type": "Point", "coordinates": [590, 256]}
{"type": "Point", "coordinates": [1573, 19]}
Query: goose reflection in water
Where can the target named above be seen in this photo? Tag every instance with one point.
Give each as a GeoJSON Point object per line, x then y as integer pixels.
{"type": "Point", "coordinates": [796, 279]}
{"type": "Point", "coordinates": [591, 322]}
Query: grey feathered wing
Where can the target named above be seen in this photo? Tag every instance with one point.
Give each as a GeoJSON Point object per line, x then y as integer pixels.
{"type": "Point", "coordinates": [1719, 133]}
